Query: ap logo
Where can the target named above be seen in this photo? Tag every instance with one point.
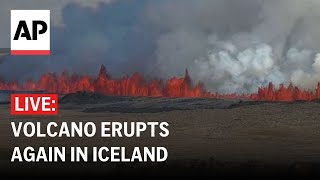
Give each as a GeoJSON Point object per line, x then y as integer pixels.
{"type": "Point", "coordinates": [30, 32]}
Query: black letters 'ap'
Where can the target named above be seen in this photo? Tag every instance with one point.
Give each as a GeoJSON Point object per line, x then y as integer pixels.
{"type": "Point", "coordinates": [26, 34]}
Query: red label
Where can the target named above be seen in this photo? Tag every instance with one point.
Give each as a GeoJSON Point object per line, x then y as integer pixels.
{"type": "Point", "coordinates": [30, 52]}
{"type": "Point", "coordinates": [34, 104]}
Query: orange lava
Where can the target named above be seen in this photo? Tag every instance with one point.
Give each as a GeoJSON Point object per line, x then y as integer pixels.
{"type": "Point", "coordinates": [127, 86]}
{"type": "Point", "coordinates": [290, 93]}
{"type": "Point", "coordinates": [135, 85]}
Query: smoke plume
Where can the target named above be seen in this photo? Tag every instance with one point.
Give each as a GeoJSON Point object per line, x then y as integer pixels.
{"type": "Point", "coordinates": [230, 45]}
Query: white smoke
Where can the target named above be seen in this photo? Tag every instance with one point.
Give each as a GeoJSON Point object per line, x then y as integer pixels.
{"type": "Point", "coordinates": [229, 70]}
{"type": "Point", "coordinates": [238, 71]}
{"type": "Point", "coordinates": [238, 46]}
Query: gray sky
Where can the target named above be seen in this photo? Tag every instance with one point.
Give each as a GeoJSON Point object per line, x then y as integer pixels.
{"type": "Point", "coordinates": [55, 6]}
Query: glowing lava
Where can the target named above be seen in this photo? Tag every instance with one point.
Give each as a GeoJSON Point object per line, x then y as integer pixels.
{"type": "Point", "coordinates": [283, 93]}
{"type": "Point", "coordinates": [127, 86]}
{"type": "Point", "coordinates": [135, 85]}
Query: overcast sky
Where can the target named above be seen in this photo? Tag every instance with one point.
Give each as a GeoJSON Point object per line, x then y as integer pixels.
{"type": "Point", "coordinates": [55, 6]}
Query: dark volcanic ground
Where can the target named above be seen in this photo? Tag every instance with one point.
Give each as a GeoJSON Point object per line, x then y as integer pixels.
{"type": "Point", "coordinates": [92, 103]}
{"type": "Point", "coordinates": [217, 136]}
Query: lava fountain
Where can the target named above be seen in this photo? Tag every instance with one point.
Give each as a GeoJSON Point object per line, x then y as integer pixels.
{"type": "Point", "coordinates": [135, 85]}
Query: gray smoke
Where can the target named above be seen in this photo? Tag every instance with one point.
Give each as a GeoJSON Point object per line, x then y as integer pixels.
{"type": "Point", "coordinates": [237, 46]}
{"type": "Point", "coordinates": [230, 45]}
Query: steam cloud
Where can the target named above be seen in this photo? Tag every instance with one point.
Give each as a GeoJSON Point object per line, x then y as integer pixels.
{"type": "Point", "coordinates": [230, 45]}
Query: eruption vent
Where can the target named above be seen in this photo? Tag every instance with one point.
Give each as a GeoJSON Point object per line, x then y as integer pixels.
{"type": "Point", "coordinates": [135, 85]}
{"type": "Point", "coordinates": [127, 86]}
